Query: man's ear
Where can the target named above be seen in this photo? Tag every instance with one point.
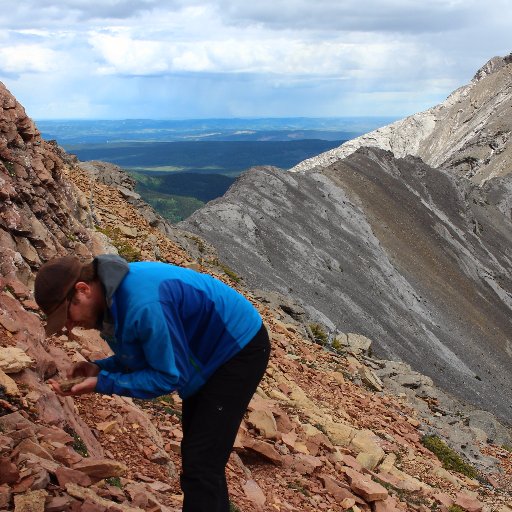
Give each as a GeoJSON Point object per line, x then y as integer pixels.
{"type": "Point", "coordinates": [83, 288]}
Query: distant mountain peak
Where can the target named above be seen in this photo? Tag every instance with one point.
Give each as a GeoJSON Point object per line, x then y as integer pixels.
{"type": "Point", "coordinates": [466, 134]}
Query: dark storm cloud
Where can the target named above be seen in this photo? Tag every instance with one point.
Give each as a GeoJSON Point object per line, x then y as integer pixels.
{"type": "Point", "coordinates": [350, 15]}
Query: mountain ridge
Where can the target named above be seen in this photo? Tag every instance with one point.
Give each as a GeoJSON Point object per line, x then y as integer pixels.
{"type": "Point", "coordinates": [467, 133]}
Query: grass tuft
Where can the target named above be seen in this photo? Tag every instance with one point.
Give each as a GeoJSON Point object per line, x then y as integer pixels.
{"type": "Point", "coordinates": [451, 459]}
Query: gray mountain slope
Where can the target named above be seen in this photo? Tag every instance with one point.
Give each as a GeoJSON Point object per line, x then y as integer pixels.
{"type": "Point", "coordinates": [413, 257]}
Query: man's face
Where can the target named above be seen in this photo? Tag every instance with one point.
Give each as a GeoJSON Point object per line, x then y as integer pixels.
{"type": "Point", "coordinates": [86, 308]}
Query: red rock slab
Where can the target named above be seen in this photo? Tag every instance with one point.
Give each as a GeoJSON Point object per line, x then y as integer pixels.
{"type": "Point", "coordinates": [29, 446]}
{"type": "Point", "coordinates": [54, 434]}
{"type": "Point", "coordinates": [387, 505]}
{"type": "Point", "coordinates": [67, 475]}
{"type": "Point", "coordinates": [66, 455]}
{"type": "Point", "coordinates": [468, 503]}
{"type": "Point", "coordinates": [90, 506]}
{"type": "Point", "coordinates": [364, 486]}
{"type": "Point", "coordinates": [338, 492]}
{"type": "Point", "coordinates": [265, 450]}
{"type": "Point", "coordinates": [9, 473]}
{"type": "Point", "coordinates": [303, 464]}
{"type": "Point", "coordinates": [101, 468]}
{"type": "Point", "coordinates": [445, 500]}
{"type": "Point", "coordinates": [58, 504]}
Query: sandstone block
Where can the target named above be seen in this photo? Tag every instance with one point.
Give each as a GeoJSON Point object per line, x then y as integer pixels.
{"type": "Point", "coordinates": [13, 359]}
{"type": "Point", "coordinates": [8, 385]}
{"type": "Point", "coordinates": [67, 475]}
{"type": "Point", "coordinates": [265, 450]}
{"type": "Point", "coordinates": [264, 422]}
{"type": "Point", "coordinates": [253, 491]}
{"type": "Point", "coordinates": [66, 455]}
{"type": "Point", "coordinates": [468, 502]}
{"type": "Point", "coordinates": [338, 492]}
{"type": "Point", "coordinates": [340, 434]}
{"type": "Point", "coordinates": [364, 486]}
{"type": "Point", "coordinates": [101, 468]}
{"type": "Point", "coordinates": [33, 501]}
{"type": "Point", "coordinates": [29, 446]}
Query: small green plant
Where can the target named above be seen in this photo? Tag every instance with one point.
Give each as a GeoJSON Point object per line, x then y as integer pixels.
{"type": "Point", "coordinates": [455, 508]}
{"type": "Point", "coordinates": [229, 272]}
{"type": "Point", "coordinates": [125, 250]}
{"type": "Point", "coordinates": [319, 335]}
{"type": "Point", "coordinates": [450, 458]}
{"type": "Point", "coordinates": [507, 447]}
{"type": "Point", "coordinates": [233, 507]}
{"type": "Point", "coordinates": [297, 486]}
{"type": "Point", "coordinates": [114, 481]}
{"type": "Point", "coordinates": [321, 428]}
{"type": "Point", "coordinates": [78, 445]}
{"type": "Point", "coordinates": [10, 168]}
{"type": "Point", "coordinates": [337, 347]}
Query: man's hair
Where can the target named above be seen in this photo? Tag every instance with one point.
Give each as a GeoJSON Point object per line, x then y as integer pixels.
{"type": "Point", "coordinates": [89, 272]}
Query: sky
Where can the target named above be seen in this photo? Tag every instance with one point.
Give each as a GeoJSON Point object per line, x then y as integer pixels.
{"type": "Point", "coordinates": [184, 59]}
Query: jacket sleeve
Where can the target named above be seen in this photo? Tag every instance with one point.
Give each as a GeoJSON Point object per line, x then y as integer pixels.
{"type": "Point", "coordinates": [110, 364]}
{"type": "Point", "coordinates": [160, 375]}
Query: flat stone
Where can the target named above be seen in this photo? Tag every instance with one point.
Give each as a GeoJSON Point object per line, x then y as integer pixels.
{"type": "Point", "coordinates": [29, 446]}
{"type": "Point", "coordinates": [66, 455]}
{"type": "Point", "coordinates": [101, 468]}
{"type": "Point", "coordinates": [83, 493]}
{"type": "Point", "coordinates": [254, 493]}
{"type": "Point", "coordinates": [67, 475]}
{"type": "Point", "coordinates": [338, 492]}
{"type": "Point", "coordinates": [5, 496]}
{"type": "Point", "coordinates": [58, 503]}
{"type": "Point", "coordinates": [364, 486]}
{"type": "Point", "coordinates": [468, 502]}
{"type": "Point", "coordinates": [262, 448]}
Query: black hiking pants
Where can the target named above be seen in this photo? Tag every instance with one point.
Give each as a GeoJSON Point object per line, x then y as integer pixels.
{"type": "Point", "coordinates": [211, 418]}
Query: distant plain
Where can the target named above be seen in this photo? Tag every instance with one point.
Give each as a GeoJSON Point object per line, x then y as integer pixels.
{"type": "Point", "coordinates": [182, 164]}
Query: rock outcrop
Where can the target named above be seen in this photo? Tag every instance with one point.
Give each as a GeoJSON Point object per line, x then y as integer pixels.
{"type": "Point", "coordinates": [467, 133]}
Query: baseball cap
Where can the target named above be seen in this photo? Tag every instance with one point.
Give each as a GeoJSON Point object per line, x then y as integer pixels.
{"type": "Point", "coordinates": [53, 289]}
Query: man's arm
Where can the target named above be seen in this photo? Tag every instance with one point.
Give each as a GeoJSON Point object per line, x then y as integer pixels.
{"type": "Point", "coordinates": [161, 376]}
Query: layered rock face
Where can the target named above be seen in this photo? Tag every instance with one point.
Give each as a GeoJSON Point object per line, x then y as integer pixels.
{"type": "Point", "coordinates": [468, 133]}
{"type": "Point", "coordinates": [413, 257]}
{"type": "Point", "coordinates": [40, 213]}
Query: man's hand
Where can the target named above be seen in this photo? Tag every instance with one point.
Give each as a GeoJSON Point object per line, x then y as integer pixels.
{"type": "Point", "coordinates": [88, 385]}
{"type": "Point", "coordinates": [83, 369]}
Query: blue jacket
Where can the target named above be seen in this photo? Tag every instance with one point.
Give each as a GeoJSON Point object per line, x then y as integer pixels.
{"type": "Point", "coordinates": [171, 328]}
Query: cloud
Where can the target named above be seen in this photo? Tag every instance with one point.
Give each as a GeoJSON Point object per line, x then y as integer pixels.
{"type": "Point", "coordinates": [25, 58]}
{"type": "Point", "coordinates": [349, 15]}
{"type": "Point", "coordinates": [288, 57]}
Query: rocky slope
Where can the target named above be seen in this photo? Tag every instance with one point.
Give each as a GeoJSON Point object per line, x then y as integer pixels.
{"type": "Point", "coordinates": [324, 432]}
{"type": "Point", "coordinates": [467, 133]}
